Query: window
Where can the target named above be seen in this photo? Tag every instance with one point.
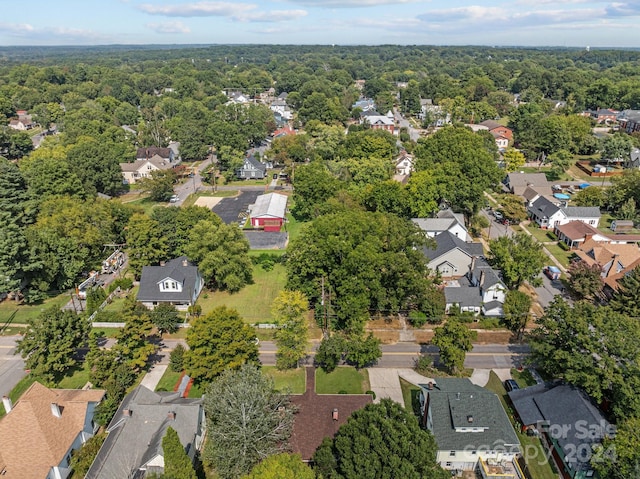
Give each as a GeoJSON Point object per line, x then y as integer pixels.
{"type": "Point", "coordinates": [452, 453]}
{"type": "Point", "coordinates": [474, 453]}
{"type": "Point", "coordinates": [448, 464]}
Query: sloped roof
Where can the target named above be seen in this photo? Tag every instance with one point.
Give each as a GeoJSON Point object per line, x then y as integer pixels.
{"type": "Point", "coordinates": [597, 252]}
{"type": "Point", "coordinates": [150, 151]}
{"type": "Point", "coordinates": [582, 211]}
{"type": "Point", "coordinates": [255, 164]}
{"type": "Point", "coordinates": [575, 230]}
{"type": "Point", "coordinates": [447, 241]}
{"type": "Point", "coordinates": [524, 179]}
{"type": "Point", "coordinates": [463, 296]}
{"type": "Point", "coordinates": [187, 275]}
{"type": "Point", "coordinates": [32, 439]}
{"type": "Point", "coordinates": [271, 205]}
{"type": "Point", "coordinates": [532, 192]}
{"type": "Point", "coordinates": [135, 439]}
{"type": "Point", "coordinates": [561, 405]}
{"type": "Point", "coordinates": [485, 273]}
{"type": "Point", "coordinates": [458, 403]}
{"type": "Point", "coordinates": [543, 207]}
{"type": "Point", "coordinates": [157, 161]}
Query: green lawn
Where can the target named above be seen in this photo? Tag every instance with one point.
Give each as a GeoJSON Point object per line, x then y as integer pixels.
{"type": "Point", "coordinates": [118, 303]}
{"type": "Point", "coordinates": [343, 379]}
{"type": "Point", "coordinates": [17, 391]}
{"type": "Point", "coordinates": [539, 468]}
{"type": "Point", "coordinates": [76, 378]}
{"type": "Point", "coordinates": [168, 380]}
{"type": "Point", "coordinates": [523, 378]}
{"type": "Point", "coordinates": [253, 302]}
{"type": "Point", "coordinates": [294, 227]}
{"type": "Point", "coordinates": [561, 255]}
{"type": "Point", "coordinates": [22, 313]}
{"type": "Point", "coordinates": [146, 204]}
{"type": "Point", "coordinates": [108, 332]}
{"type": "Point", "coordinates": [539, 233]}
{"type": "Point", "coordinates": [292, 380]}
{"type": "Point", "coordinates": [410, 394]}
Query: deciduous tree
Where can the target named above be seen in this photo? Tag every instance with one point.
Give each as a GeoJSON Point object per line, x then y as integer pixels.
{"type": "Point", "coordinates": [145, 244]}
{"type": "Point", "coordinates": [247, 421]}
{"type": "Point", "coordinates": [516, 311]}
{"type": "Point", "coordinates": [289, 310]}
{"type": "Point", "coordinates": [513, 159]}
{"type": "Point", "coordinates": [585, 280]}
{"type": "Point", "coordinates": [281, 466]}
{"type": "Point", "coordinates": [454, 341]}
{"type": "Point", "coordinates": [219, 341]}
{"type": "Point", "coordinates": [382, 441]}
{"type": "Point", "coordinates": [165, 317]}
{"type": "Point", "coordinates": [51, 342]}
{"type": "Point", "coordinates": [520, 258]}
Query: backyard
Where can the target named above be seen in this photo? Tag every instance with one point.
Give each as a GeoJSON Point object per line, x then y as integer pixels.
{"type": "Point", "coordinates": [254, 301]}
{"type": "Point", "coordinates": [12, 313]}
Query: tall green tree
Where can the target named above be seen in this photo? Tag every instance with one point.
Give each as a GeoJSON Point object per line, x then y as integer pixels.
{"type": "Point", "coordinates": [516, 311]}
{"type": "Point", "coordinates": [219, 341]}
{"type": "Point", "coordinates": [626, 299]}
{"type": "Point", "coordinates": [221, 253]}
{"type": "Point", "coordinates": [165, 317]}
{"type": "Point", "coordinates": [159, 185]}
{"type": "Point", "coordinates": [454, 341]}
{"type": "Point", "coordinates": [617, 457]}
{"type": "Point", "coordinates": [289, 310]}
{"type": "Point", "coordinates": [380, 441]}
{"type": "Point", "coordinates": [513, 159]}
{"type": "Point", "coordinates": [248, 420]}
{"type": "Point", "coordinates": [145, 244]}
{"type": "Point", "coordinates": [313, 186]}
{"type": "Point", "coordinates": [177, 464]}
{"type": "Point", "coordinates": [585, 280]}
{"type": "Point", "coordinates": [520, 258]}
{"type": "Point", "coordinates": [51, 342]}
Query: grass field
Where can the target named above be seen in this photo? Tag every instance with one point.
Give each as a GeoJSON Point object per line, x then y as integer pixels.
{"type": "Point", "coordinates": [294, 227]}
{"type": "Point", "coordinates": [17, 391]}
{"type": "Point", "coordinates": [343, 379]}
{"type": "Point", "coordinates": [21, 313]}
{"type": "Point", "coordinates": [538, 233]}
{"type": "Point", "coordinates": [410, 393]}
{"type": "Point", "coordinates": [146, 204]}
{"type": "Point", "coordinates": [254, 301]}
{"type": "Point", "coordinates": [523, 378]}
{"type": "Point", "coordinates": [539, 468]}
{"type": "Point", "coordinates": [292, 380]}
{"type": "Point", "coordinates": [76, 378]}
{"type": "Point", "coordinates": [168, 380]}
{"type": "Point", "coordinates": [561, 255]}
{"type": "Point", "coordinates": [118, 303]}
{"type": "Point", "coordinates": [108, 332]}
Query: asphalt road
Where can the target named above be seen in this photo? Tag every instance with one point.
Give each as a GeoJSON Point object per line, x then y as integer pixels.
{"type": "Point", "coordinates": [229, 209]}
{"type": "Point", "coordinates": [495, 229]}
{"type": "Point", "coordinates": [549, 290]}
{"type": "Point", "coordinates": [11, 366]}
{"type": "Point", "coordinates": [192, 184]}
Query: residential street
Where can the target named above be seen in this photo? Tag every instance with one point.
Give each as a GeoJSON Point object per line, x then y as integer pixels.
{"type": "Point", "coordinates": [193, 184]}
{"type": "Point", "coordinates": [403, 123]}
{"type": "Point", "coordinates": [495, 229]}
{"type": "Point", "coordinates": [11, 367]}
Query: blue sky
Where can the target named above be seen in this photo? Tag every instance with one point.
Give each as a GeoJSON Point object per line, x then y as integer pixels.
{"type": "Point", "coordinates": [345, 22]}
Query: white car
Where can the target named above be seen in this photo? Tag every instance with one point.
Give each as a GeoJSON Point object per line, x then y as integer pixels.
{"type": "Point", "coordinates": [174, 199]}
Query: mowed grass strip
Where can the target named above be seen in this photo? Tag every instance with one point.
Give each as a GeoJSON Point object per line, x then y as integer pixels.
{"type": "Point", "coordinates": [290, 380]}
{"type": "Point", "coordinates": [22, 313]}
{"type": "Point", "coordinates": [342, 380]}
{"type": "Point", "coordinates": [254, 301]}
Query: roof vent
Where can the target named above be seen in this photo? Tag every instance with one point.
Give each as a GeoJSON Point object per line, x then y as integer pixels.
{"type": "Point", "coordinates": [127, 412]}
{"type": "Point", "coordinates": [171, 415]}
{"type": "Point", "coordinates": [185, 263]}
{"type": "Point", "coordinates": [55, 410]}
{"type": "Point", "coordinates": [7, 403]}
{"type": "Point", "coordinates": [458, 396]}
{"type": "Point", "coordinates": [469, 418]}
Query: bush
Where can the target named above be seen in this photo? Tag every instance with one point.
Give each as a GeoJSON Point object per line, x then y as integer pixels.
{"type": "Point", "coordinates": [424, 364]}
{"type": "Point", "coordinates": [124, 283]}
{"type": "Point", "coordinates": [552, 235]}
{"type": "Point", "coordinates": [417, 318]}
{"type": "Point", "coordinates": [108, 317]}
{"type": "Point", "coordinates": [563, 246]}
{"type": "Point", "coordinates": [372, 394]}
{"type": "Point", "coordinates": [266, 260]}
{"type": "Point", "coordinates": [490, 323]}
{"type": "Point", "coordinates": [34, 296]}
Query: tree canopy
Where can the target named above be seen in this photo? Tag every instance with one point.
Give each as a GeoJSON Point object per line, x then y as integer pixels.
{"type": "Point", "coordinates": [520, 258]}
{"type": "Point", "coordinates": [381, 441]}
{"type": "Point", "coordinates": [247, 421]}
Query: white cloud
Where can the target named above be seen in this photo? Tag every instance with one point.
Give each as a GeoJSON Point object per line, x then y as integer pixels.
{"type": "Point", "coordinates": [623, 9]}
{"type": "Point", "coordinates": [169, 27]}
{"type": "Point", "coordinates": [351, 3]}
{"type": "Point", "coordinates": [51, 34]}
{"type": "Point", "coordinates": [16, 28]}
{"type": "Point", "coordinates": [198, 9]}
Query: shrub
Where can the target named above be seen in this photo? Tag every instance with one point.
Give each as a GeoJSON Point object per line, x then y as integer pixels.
{"type": "Point", "coordinates": [108, 317]}
{"type": "Point", "coordinates": [552, 235]}
{"type": "Point", "coordinates": [176, 358]}
{"type": "Point", "coordinates": [563, 246]}
{"type": "Point", "coordinates": [417, 318]}
{"type": "Point", "coordinates": [372, 394]}
{"type": "Point", "coordinates": [424, 364]}
{"type": "Point", "coordinates": [124, 283]}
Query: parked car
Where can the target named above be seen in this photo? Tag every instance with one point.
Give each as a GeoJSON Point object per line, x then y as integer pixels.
{"type": "Point", "coordinates": [511, 385]}
{"type": "Point", "coordinates": [552, 272]}
{"type": "Point", "coordinates": [174, 199]}
{"type": "Point", "coordinates": [499, 216]}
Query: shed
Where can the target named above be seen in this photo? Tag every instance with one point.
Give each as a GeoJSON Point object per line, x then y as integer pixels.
{"type": "Point", "coordinates": [621, 225]}
{"type": "Point", "coordinates": [268, 211]}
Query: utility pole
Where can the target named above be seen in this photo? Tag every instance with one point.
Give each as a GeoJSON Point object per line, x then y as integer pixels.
{"type": "Point", "coordinates": [325, 328]}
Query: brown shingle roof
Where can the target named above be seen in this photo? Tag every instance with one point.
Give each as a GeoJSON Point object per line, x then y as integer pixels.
{"type": "Point", "coordinates": [575, 230]}
{"type": "Point", "coordinates": [314, 421]}
{"type": "Point", "coordinates": [32, 439]}
{"type": "Point", "coordinates": [151, 151]}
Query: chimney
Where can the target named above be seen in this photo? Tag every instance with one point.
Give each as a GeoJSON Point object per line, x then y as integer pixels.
{"type": "Point", "coordinates": [55, 410]}
{"type": "Point", "coordinates": [162, 263]}
{"type": "Point", "coordinates": [430, 385]}
{"type": "Point", "coordinates": [127, 412]}
{"type": "Point", "coordinates": [7, 403]}
{"type": "Point", "coordinates": [171, 415]}
{"type": "Point", "coordinates": [185, 263]}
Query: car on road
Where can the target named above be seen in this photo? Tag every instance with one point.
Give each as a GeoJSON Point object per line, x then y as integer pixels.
{"type": "Point", "coordinates": [511, 385]}
{"type": "Point", "coordinates": [174, 199]}
{"type": "Point", "coordinates": [552, 272]}
{"type": "Point", "coordinates": [498, 215]}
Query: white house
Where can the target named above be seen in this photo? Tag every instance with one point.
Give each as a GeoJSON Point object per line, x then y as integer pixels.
{"type": "Point", "coordinates": [470, 427]}
{"type": "Point", "coordinates": [549, 215]}
{"type": "Point", "coordinates": [492, 290]}
{"type": "Point", "coordinates": [445, 220]}
{"type": "Point", "coordinates": [404, 164]}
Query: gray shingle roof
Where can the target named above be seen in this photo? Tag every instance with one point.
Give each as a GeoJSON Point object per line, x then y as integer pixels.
{"type": "Point", "coordinates": [187, 275]}
{"type": "Point", "coordinates": [490, 277]}
{"type": "Point", "coordinates": [463, 296]}
{"type": "Point", "coordinates": [447, 241]}
{"type": "Point", "coordinates": [582, 211]}
{"type": "Point", "coordinates": [562, 405]}
{"type": "Point", "coordinates": [543, 207]}
{"type": "Point", "coordinates": [135, 439]}
{"type": "Point", "coordinates": [457, 403]}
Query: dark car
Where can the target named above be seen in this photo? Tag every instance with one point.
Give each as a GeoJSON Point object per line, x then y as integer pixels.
{"type": "Point", "coordinates": [511, 385]}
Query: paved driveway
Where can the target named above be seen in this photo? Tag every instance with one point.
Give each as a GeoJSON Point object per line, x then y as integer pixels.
{"type": "Point", "coordinates": [267, 239]}
{"type": "Point", "coordinates": [229, 209]}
